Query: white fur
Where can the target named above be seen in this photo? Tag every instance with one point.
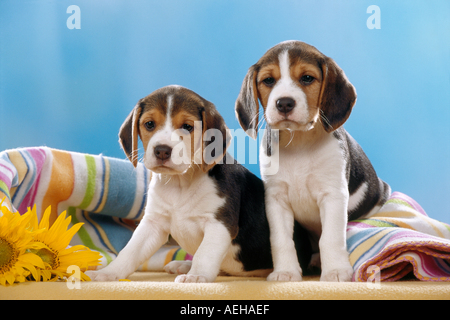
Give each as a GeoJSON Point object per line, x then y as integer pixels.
{"type": "Point", "coordinates": [178, 140]}
{"type": "Point", "coordinates": [310, 187]}
{"type": "Point", "coordinates": [183, 204]}
{"type": "Point", "coordinates": [312, 190]}
{"type": "Point", "coordinates": [358, 196]}
{"type": "Point", "coordinates": [285, 87]}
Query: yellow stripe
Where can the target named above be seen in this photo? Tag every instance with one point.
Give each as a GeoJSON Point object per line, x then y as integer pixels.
{"type": "Point", "coordinates": [369, 243]}
{"type": "Point", "coordinates": [21, 166]}
{"type": "Point", "coordinates": [406, 214]}
{"type": "Point", "coordinates": [105, 185]}
{"type": "Point", "coordinates": [169, 255]}
{"type": "Point", "coordinates": [101, 231]}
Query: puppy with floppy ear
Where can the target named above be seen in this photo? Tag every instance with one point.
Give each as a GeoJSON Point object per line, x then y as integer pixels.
{"type": "Point", "coordinates": [129, 133]}
{"type": "Point", "coordinates": [337, 96]}
{"type": "Point", "coordinates": [247, 107]}
{"type": "Point", "coordinates": [324, 177]}
{"type": "Point", "coordinates": [213, 209]}
{"type": "Point", "coordinates": [213, 120]}
{"type": "Point", "coordinates": [335, 101]}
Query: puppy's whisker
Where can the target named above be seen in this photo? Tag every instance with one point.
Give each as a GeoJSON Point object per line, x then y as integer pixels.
{"type": "Point", "coordinates": [325, 119]}
{"type": "Point", "coordinates": [168, 180]}
{"type": "Point", "coordinates": [261, 123]}
{"type": "Point", "coordinates": [291, 133]}
{"type": "Point", "coordinates": [253, 120]}
{"type": "Point", "coordinates": [135, 155]}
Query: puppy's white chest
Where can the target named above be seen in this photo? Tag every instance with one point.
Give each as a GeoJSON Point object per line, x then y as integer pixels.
{"type": "Point", "coordinates": [184, 211]}
{"type": "Point", "coordinates": [307, 175]}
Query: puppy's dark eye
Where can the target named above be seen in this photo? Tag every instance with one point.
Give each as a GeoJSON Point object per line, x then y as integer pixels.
{"type": "Point", "coordinates": [150, 125]}
{"type": "Point", "coordinates": [187, 127]}
{"type": "Point", "coordinates": [306, 79]}
{"type": "Point", "coordinates": [269, 81]}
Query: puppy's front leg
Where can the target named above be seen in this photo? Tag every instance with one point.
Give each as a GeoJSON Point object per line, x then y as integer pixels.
{"type": "Point", "coordinates": [281, 223]}
{"type": "Point", "coordinates": [334, 257]}
{"type": "Point", "coordinates": [210, 254]}
{"type": "Point", "coordinates": [146, 240]}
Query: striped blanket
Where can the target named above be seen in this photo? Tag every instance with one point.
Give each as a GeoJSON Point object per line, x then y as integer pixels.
{"type": "Point", "coordinates": [109, 196]}
{"type": "Point", "coordinates": [399, 241]}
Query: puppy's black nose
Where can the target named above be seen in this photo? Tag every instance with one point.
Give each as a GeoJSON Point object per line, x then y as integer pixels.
{"type": "Point", "coordinates": [163, 152]}
{"type": "Point", "coordinates": [285, 105]}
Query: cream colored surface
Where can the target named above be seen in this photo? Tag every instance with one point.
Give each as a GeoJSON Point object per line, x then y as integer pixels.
{"type": "Point", "coordinates": [154, 285]}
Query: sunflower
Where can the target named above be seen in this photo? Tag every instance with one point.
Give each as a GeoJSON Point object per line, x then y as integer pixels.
{"type": "Point", "coordinates": [57, 254]}
{"type": "Point", "coordinates": [16, 241]}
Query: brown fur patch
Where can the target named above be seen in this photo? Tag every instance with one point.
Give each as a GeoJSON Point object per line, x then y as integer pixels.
{"type": "Point", "coordinates": [152, 114]}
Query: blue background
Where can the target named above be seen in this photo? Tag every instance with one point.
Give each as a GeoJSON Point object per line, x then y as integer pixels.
{"type": "Point", "coordinates": [72, 89]}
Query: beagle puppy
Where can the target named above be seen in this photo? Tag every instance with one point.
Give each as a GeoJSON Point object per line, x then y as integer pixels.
{"type": "Point", "coordinates": [213, 207]}
{"type": "Point", "coordinates": [324, 177]}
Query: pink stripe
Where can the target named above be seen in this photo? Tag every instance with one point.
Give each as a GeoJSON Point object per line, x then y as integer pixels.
{"type": "Point", "coordinates": [6, 178]}
{"type": "Point", "coordinates": [359, 225]}
{"type": "Point", "coordinates": [411, 201]}
{"type": "Point", "coordinates": [39, 157]}
{"type": "Point", "coordinates": [429, 266]}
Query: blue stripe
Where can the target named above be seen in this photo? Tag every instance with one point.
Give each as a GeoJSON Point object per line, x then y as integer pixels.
{"type": "Point", "coordinates": [102, 186]}
{"type": "Point", "coordinates": [26, 157]}
{"type": "Point", "coordinates": [376, 247]}
{"type": "Point", "coordinates": [117, 235]}
{"type": "Point", "coordinates": [354, 241]}
{"type": "Point", "coordinates": [144, 196]}
{"type": "Point", "coordinates": [121, 188]}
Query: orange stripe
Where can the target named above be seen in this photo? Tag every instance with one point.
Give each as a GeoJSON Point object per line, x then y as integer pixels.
{"type": "Point", "coordinates": [169, 255]}
{"type": "Point", "coordinates": [61, 182]}
{"type": "Point", "coordinates": [407, 215]}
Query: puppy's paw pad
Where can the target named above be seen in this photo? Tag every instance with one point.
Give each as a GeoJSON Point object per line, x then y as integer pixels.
{"type": "Point", "coordinates": [190, 278]}
{"type": "Point", "coordinates": [284, 276]}
{"type": "Point", "coordinates": [337, 275]}
{"type": "Point", "coordinates": [101, 276]}
{"type": "Point", "coordinates": [178, 267]}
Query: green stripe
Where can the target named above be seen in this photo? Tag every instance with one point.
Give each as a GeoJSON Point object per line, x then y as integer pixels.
{"type": "Point", "coordinates": [446, 226]}
{"type": "Point", "coordinates": [398, 201]}
{"type": "Point", "coordinates": [90, 188]}
{"type": "Point", "coordinates": [376, 223]}
{"type": "Point", "coordinates": [5, 190]}
{"type": "Point", "coordinates": [179, 255]}
{"type": "Point", "coordinates": [85, 237]}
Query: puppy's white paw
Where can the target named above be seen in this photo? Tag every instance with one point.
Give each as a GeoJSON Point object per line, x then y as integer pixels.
{"type": "Point", "coordinates": [337, 275]}
{"type": "Point", "coordinates": [284, 276]}
{"type": "Point", "coordinates": [178, 267]}
{"type": "Point", "coordinates": [102, 276]}
{"type": "Point", "coordinates": [191, 278]}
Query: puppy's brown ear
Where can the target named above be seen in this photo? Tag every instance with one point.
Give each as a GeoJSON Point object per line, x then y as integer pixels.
{"type": "Point", "coordinates": [247, 107]}
{"type": "Point", "coordinates": [128, 135]}
{"type": "Point", "coordinates": [214, 128]}
{"type": "Point", "coordinates": [337, 96]}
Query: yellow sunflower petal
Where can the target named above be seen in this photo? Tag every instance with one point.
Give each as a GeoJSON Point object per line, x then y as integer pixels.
{"type": "Point", "coordinates": [58, 228]}
{"type": "Point", "coordinates": [33, 259]}
{"type": "Point", "coordinates": [64, 239]}
{"type": "Point", "coordinates": [10, 278]}
{"type": "Point", "coordinates": [45, 218]}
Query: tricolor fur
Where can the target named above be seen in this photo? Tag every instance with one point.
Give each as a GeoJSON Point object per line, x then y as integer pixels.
{"type": "Point", "coordinates": [324, 177]}
{"type": "Point", "coordinates": [215, 211]}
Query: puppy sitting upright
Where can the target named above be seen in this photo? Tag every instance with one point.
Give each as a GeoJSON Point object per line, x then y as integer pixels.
{"type": "Point", "coordinates": [214, 211]}
{"type": "Point", "coordinates": [324, 177]}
